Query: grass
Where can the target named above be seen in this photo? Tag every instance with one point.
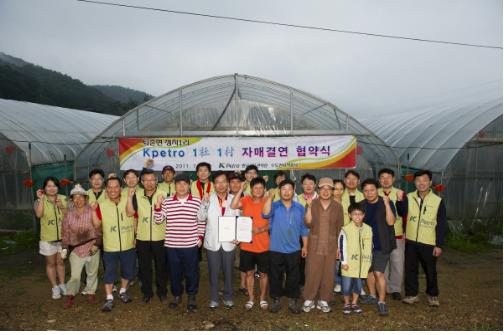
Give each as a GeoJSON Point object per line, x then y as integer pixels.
{"type": "Point", "coordinates": [468, 243]}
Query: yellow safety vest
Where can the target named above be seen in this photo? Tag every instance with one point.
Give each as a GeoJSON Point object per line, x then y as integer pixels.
{"type": "Point", "coordinates": [276, 190]}
{"type": "Point", "coordinates": [398, 225]}
{"type": "Point", "coordinates": [124, 191]}
{"type": "Point", "coordinates": [118, 228]}
{"type": "Point", "coordinates": [147, 229]}
{"type": "Point", "coordinates": [50, 222]}
{"type": "Point", "coordinates": [195, 192]}
{"type": "Point", "coordinates": [92, 196]}
{"type": "Point", "coordinates": [358, 250]}
{"type": "Point", "coordinates": [422, 221]}
{"type": "Point", "coordinates": [167, 188]}
{"type": "Point", "coordinates": [345, 202]}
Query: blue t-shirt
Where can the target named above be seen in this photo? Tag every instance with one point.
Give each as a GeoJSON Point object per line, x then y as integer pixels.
{"type": "Point", "coordinates": [286, 227]}
{"type": "Point", "coordinates": [370, 219]}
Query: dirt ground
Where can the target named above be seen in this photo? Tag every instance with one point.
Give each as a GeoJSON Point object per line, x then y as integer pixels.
{"type": "Point", "coordinates": [470, 285]}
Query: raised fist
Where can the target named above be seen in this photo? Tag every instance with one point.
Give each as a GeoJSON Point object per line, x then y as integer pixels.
{"type": "Point", "coordinates": [40, 194]}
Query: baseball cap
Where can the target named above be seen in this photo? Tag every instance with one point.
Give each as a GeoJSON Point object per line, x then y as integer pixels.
{"type": "Point", "coordinates": [326, 181]}
{"type": "Point", "coordinates": [168, 168]}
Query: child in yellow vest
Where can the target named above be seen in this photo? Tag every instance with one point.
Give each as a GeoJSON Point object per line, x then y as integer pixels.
{"type": "Point", "coordinates": [355, 251]}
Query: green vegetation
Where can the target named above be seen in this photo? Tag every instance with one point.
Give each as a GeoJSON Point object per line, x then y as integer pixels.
{"type": "Point", "coordinates": [23, 81]}
{"type": "Point", "coordinates": [13, 243]}
{"type": "Point", "coordinates": [468, 243]}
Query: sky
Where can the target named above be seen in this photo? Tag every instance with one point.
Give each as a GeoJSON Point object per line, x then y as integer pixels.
{"type": "Point", "coordinates": [157, 52]}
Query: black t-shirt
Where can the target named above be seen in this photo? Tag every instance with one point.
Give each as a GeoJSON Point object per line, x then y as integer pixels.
{"type": "Point", "coordinates": [370, 219]}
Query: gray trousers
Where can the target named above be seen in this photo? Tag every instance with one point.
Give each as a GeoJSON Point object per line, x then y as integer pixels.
{"type": "Point", "coordinates": [394, 273]}
{"type": "Point", "coordinates": [220, 261]}
{"type": "Point", "coordinates": [91, 263]}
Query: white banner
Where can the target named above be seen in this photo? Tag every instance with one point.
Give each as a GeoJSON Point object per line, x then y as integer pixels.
{"type": "Point", "coordinates": [235, 153]}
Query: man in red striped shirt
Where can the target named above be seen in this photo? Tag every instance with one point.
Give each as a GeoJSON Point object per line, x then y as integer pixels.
{"type": "Point", "coordinates": [184, 235]}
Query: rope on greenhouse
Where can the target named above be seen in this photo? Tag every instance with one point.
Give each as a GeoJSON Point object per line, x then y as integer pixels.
{"type": "Point", "coordinates": [293, 25]}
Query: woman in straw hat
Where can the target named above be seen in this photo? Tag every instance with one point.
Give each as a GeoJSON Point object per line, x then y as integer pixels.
{"type": "Point", "coordinates": [79, 232]}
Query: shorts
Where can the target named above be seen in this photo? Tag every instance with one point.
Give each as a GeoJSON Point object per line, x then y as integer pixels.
{"type": "Point", "coordinates": [126, 259]}
{"type": "Point", "coordinates": [380, 261]}
{"type": "Point", "coordinates": [248, 261]}
{"type": "Point", "coordinates": [49, 248]}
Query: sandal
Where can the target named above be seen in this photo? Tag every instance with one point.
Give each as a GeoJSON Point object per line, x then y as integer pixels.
{"type": "Point", "coordinates": [263, 304]}
{"type": "Point", "coordinates": [249, 305]}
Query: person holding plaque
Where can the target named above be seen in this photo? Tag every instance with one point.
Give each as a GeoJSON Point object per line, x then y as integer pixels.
{"type": "Point", "coordinates": [220, 253]}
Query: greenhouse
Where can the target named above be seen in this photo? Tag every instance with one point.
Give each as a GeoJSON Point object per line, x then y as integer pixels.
{"type": "Point", "coordinates": [236, 106]}
{"type": "Point", "coordinates": [37, 141]}
{"type": "Point", "coordinates": [461, 142]}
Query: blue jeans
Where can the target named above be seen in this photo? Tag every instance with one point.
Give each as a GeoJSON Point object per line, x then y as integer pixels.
{"type": "Point", "coordinates": [337, 277]}
{"type": "Point", "coordinates": [183, 264]}
{"type": "Point", "coordinates": [127, 261]}
{"type": "Point", "coordinates": [351, 284]}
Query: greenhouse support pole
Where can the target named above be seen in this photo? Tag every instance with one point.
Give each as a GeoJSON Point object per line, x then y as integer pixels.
{"type": "Point", "coordinates": [236, 106]}
{"type": "Point", "coordinates": [291, 113]}
{"type": "Point", "coordinates": [32, 195]}
{"type": "Point", "coordinates": [66, 169]}
{"type": "Point", "coordinates": [180, 112]}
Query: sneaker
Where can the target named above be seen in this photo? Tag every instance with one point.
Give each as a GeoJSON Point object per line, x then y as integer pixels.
{"type": "Point", "coordinates": [275, 306]}
{"type": "Point", "coordinates": [191, 303]}
{"type": "Point", "coordinates": [125, 298]}
{"type": "Point", "coordinates": [62, 288]}
{"type": "Point", "coordinates": [91, 298]}
{"type": "Point", "coordinates": [108, 305]}
{"type": "Point", "coordinates": [347, 309]}
{"type": "Point", "coordinates": [70, 299]}
{"type": "Point", "coordinates": [410, 300]}
{"type": "Point", "coordinates": [337, 288]}
{"type": "Point", "coordinates": [294, 306]}
{"type": "Point", "coordinates": [382, 308]}
{"type": "Point", "coordinates": [308, 305]}
{"type": "Point", "coordinates": [356, 309]}
{"type": "Point", "coordinates": [213, 304]}
{"type": "Point", "coordinates": [56, 293]}
{"type": "Point", "coordinates": [433, 301]}
{"type": "Point", "coordinates": [146, 299]}
{"type": "Point", "coordinates": [175, 302]}
{"type": "Point", "coordinates": [396, 296]}
{"type": "Point", "coordinates": [228, 303]}
{"type": "Point", "coordinates": [323, 306]}
{"type": "Point", "coordinates": [368, 300]}
{"type": "Point", "coordinates": [362, 292]}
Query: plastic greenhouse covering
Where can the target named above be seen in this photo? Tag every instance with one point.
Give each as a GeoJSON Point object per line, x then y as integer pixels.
{"type": "Point", "coordinates": [235, 106]}
{"type": "Point", "coordinates": [461, 142]}
{"type": "Point", "coordinates": [37, 141]}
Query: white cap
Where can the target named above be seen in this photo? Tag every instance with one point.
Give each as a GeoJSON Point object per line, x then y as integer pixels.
{"type": "Point", "coordinates": [78, 190]}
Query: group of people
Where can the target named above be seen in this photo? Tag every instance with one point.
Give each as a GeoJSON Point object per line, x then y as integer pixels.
{"type": "Point", "coordinates": [331, 238]}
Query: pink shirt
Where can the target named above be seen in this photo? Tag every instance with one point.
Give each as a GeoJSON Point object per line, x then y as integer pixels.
{"type": "Point", "coordinates": [78, 228]}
